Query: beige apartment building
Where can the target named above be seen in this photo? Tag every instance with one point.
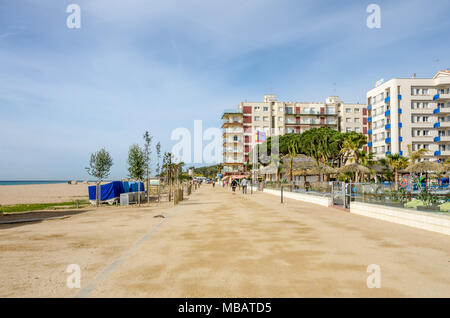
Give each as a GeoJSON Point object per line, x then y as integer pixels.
{"type": "Point", "coordinates": [410, 111]}
{"type": "Point", "coordinates": [274, 118]}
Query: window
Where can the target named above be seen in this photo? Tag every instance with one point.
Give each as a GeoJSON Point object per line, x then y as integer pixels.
{"type": "Point", "coordinates": [426, 132]}
{"type": "Point", "coordinates": [256, 118]}
{"type": "Point", "coordinates": [265, 118]}
{"type": "Point", "coordinates": [356, 110]}
{"type": "Point", "coordinates": [349, 130]}
{"type": "Point", "coordinates": [425, 119]}
{"type": "Point", "coordinates": [265, 109]}
{"type": "Point", "coordinates": [257, 108]}
{"type": "Point", "coordinates": [235, 138]}
{"type": "Point", "coordinates": [348, 120]}
{"type": "Point", "coordinates": [348, 110]}
{"type": "Point", "coordinates": [424, 91]}
{"type": "Point", "coordinates": [280, 119]}
{"type": "Point", "coordinates": [358, 130]}
{"type": "Point", "coordinates": [280, 109]}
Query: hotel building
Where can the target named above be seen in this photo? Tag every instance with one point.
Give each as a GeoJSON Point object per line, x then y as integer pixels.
{"type": "Point", "coordinates": [276, 118]}
{"type": "Point", "coordinates": [410, 111]}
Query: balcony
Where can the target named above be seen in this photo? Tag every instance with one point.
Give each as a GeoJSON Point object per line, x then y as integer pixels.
{"type": "Point", "coordinates": [309, 112]}
{"type": "Point", "coordinates": [443, 110]}
{"type": "Point", "coordinates": [370, 144]}
{"type": "Point", "coordinates": [400, 125]}
{"type": "Point", "coordinates": [400, 138]}
{"type": "Point", "coordinates": [442, 139]}
{"type": "Point", "coordinates": [387, 127]}
{"type": "Point", "coordinates": [387, 113]}
{"type": "Point", "coordinates": [443, 153]}
{"type": "Point", "coordinates": [309, 122]}
{"type": "Point", "coordinates": [387, 99]}
{"type": "Point", "coordinates": [388, 153]}
{"type": "Point", "coordinates": [436, 97]}
{"type": "Point", "coordinates": [399, 97]}
{"type": "Point", "coordinates": [369, 107]}
{"type": "Point", "coordinates": [369, 132]}
{"type": "Point", "coordinates": [442, 124]}
{"type": "Point", "coordinates": [399, 110]}
{"type": "Point", "coordinates": [369, 119]}
{"type": "Point", "coordinates": [387, 140]}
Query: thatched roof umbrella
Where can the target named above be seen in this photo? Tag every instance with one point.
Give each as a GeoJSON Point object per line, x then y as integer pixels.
{"type": "Point", "coordinates": [319, 170]}
{"type": "Point", "coordinates": [354, 168]}
{"type": "Point", "coordinates": [299, 163]}
{"type": "Point", "coordinates": [322, 169]}
{"type": "Point", "coordinates": [427, 167]}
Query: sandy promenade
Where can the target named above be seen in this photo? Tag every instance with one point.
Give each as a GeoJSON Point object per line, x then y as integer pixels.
{"type": "Point", "coordinates": [221, 245]}
{"type": "Point", "coordinates": [42, 193]}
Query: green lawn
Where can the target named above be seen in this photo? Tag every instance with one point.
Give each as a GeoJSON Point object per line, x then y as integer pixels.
{"type": "Point", "coordinates": [41, 206]}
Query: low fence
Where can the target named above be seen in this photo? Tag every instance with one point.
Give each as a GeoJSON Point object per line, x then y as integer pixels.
{"type": "Point", "coordinates": [436, 199]}
{"type": "Point", "coordinates": [435, 222]}
{"type": "Point", "coordinates": [317, 193]}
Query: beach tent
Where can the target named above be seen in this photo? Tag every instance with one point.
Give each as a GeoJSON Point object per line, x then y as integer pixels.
{"type": "Point", "coordinates": [109, 192]}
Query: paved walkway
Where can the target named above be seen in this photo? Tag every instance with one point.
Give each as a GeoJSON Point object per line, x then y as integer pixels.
{"type": "Point", "coordinates": [218, 244]}
{"type": "Point", "coordinates": [225, 245]}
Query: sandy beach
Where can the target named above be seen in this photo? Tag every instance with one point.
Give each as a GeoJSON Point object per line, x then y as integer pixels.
{"type": "Point", "coordinates": [42, 193]}
{"type": "Point", "coordinates": [216, 244]}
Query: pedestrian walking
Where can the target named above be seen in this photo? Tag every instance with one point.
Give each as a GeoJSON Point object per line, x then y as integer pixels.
{"type": "Point", "coordinates": [244, 186]}
{"type": "Point", "coordinates": [234, 185]}
{"type": "Point", "coordinates": [214, 183]}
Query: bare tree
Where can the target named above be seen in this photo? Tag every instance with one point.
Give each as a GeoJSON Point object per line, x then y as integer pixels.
{"type": "Point", "coordinates": [147, 153]}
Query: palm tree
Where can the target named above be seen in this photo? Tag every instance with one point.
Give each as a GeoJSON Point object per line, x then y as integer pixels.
{"type": "Point", "coordinates": [415, 155]}
{"type": "Point", "coordinates": [351, 146]}
{"type": "Point", "coordinates": [366, 159]}
{"type": "Point", "coordinates": [396, 162]}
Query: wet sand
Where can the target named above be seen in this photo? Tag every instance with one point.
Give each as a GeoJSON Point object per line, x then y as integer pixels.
{"type": "Point", "coordinates": [217, 244]}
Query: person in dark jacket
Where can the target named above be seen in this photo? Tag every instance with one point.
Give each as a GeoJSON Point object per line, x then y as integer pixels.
{"type": "Point", "coordinates": [233, 185]}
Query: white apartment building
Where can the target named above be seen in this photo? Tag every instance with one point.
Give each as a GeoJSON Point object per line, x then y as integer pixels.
{"type": "Point", "coordinates": [410, 111]}
{"type": "Point", "coordinates": [276, 118]}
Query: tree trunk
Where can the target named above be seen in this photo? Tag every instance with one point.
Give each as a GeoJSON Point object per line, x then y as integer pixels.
{"type": "Point", "coordinates": [396, 180]}
{"type": "Point", "coordinates": [97, 194]}
{"type": "Point", "coordinates": [139, 192]}
{"type": "Point", "coordinates": [290, 170]}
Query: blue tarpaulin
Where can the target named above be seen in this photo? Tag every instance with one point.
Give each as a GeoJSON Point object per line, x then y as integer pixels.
{"type": "Point", "coordinates": [132, 186]}
{"type": "Point", "coordinates": [108, 191]}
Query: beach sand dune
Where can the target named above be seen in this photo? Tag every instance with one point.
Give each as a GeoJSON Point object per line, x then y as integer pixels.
{"type": "Point", "coordinates": [42, 193]}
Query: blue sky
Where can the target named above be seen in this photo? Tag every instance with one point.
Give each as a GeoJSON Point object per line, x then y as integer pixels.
{"type": "Point", "coordinates": [158, 65]}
